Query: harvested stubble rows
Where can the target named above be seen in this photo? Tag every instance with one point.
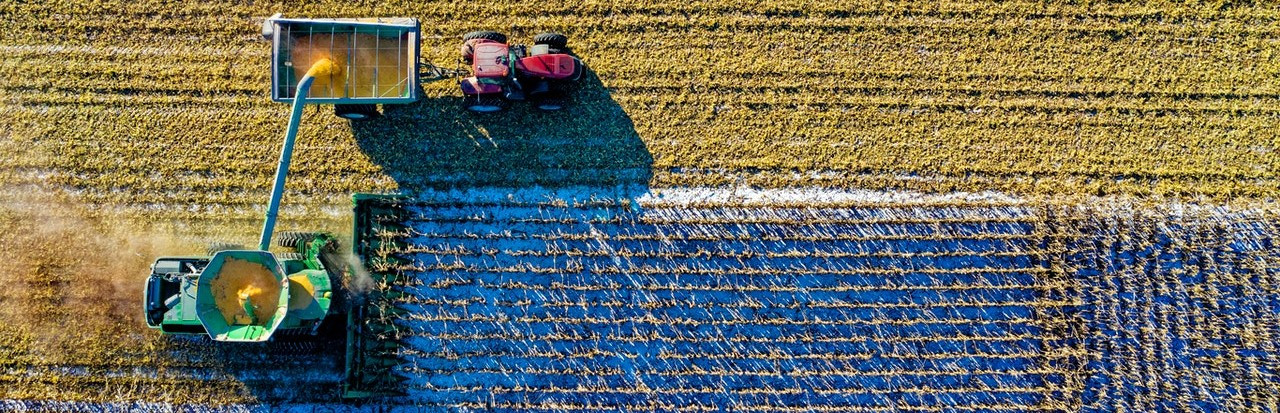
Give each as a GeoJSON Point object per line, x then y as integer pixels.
{"type": "Point", "coordinates": [850, 308]}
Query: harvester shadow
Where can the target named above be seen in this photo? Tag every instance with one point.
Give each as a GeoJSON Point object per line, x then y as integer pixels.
{"type": "Point", "coordinates": [503, 167]}
{"type": "Point", "coordinates": [269, 373]}
{"type": "Point", "coordinates": [435, 144]}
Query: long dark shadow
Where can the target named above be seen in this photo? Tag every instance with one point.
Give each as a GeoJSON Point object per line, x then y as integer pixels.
{"type": "Point", "coordinates": [436, 144]}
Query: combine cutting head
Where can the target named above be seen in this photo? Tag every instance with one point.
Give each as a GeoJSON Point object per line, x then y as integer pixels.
{"type": "Point", "coordinates": [373, 338]}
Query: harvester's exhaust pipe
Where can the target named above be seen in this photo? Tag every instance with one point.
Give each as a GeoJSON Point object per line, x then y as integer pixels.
{"type": "Point", "coordinates": [323, 68]}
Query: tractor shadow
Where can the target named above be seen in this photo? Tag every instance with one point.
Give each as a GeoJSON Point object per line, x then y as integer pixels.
{"type": "Point", "coordinates": [435, 144]}
{"type": "Point", "coordinates": [499, 165]}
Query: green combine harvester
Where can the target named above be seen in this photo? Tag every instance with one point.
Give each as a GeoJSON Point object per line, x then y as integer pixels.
{"type": "Point", "coordinates": [244, 295]}
{"type": "Point", "coordinates": [235, 294]}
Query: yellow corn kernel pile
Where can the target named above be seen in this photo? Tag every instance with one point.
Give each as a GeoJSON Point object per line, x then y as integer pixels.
{"type": "Point", "coordinates": [245, 280]}
{"type": "Point", "coordinates": [367, 65]}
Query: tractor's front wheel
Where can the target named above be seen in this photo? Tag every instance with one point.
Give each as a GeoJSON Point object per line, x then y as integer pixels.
{"type": "Point", "coordinates": [485, 103]}
{"type": "Point", "coordinates": [356, 112]}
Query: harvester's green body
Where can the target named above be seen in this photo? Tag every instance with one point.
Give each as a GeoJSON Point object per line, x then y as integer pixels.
{"type": "Point", "coordinates": [179, 293]}
{"type": "Point", "coordinates": [176, 296]}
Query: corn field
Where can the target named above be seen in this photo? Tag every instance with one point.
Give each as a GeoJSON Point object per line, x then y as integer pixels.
{"type": "Point", "coordinates": [758, 206]}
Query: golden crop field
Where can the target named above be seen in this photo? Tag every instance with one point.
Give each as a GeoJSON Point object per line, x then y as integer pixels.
{"type": "Point", "coordinates": [1013, 206]}
{"type": "Point", "coordinates": [139, 103]}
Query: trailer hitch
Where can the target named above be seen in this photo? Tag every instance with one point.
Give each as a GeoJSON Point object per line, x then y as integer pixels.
{"type": "Point", "coordinates": [428, 71]}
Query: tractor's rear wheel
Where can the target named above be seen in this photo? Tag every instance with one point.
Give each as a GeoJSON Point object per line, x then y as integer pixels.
{"type": "Point", "coordinates": [481, 34]}
{"type": "Point", "coordinates": [292, 239]}
{"type": "Point", "coordinates": [485, 34]}
{"type": "Point", "coordinates": [485, 103]}
{"type": "Point", "coordinates": [356, 112]}
{"type": "Point", "coordinates": [556, 41]}
{"type": "Point", "coordinates": [216, 247]}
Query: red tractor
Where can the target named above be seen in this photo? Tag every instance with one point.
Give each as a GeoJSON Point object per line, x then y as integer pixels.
{"type": "Point", "coordinates": [542, 74]}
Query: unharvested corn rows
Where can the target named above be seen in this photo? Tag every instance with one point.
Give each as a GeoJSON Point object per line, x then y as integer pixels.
{"type": "Point", "coordinates": [1154, 100]}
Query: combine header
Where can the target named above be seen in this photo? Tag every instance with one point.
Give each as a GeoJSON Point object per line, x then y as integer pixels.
{"type": "Point", "coordinates": [372, 335]}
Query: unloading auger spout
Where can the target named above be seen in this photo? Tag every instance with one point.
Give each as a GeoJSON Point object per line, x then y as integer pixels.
{"type": "Point", "coordinates": [324, 68]}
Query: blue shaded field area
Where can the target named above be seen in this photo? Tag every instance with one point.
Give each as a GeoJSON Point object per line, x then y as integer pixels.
{"type": "Point", "coordinates": [1180, 313]}
{"type": "Point", "coordinates": [588, 307]}
{"type": "Point", "coordinates": [894, 307]}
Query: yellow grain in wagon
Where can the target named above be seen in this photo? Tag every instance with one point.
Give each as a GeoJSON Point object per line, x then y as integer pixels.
{"type": "Point", "coordinates": [369, 65]}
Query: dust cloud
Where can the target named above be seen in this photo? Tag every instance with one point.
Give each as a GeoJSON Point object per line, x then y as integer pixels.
{"type": "Point", "coordinates": [72, 276]}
